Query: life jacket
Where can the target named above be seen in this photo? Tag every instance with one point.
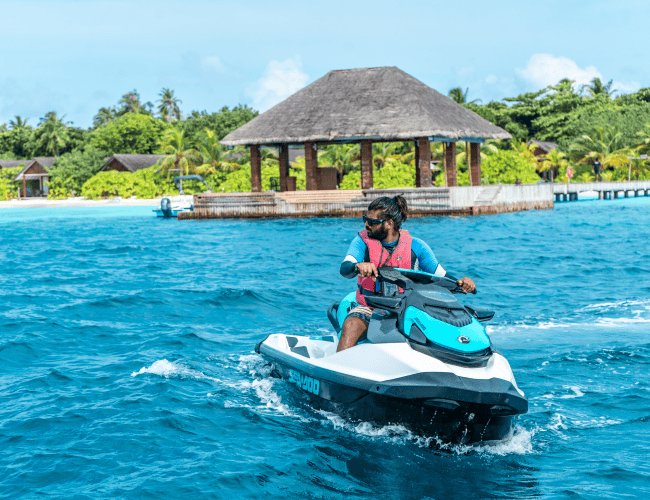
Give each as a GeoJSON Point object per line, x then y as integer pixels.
{"type": "Point", "coordinates": [380, 257]}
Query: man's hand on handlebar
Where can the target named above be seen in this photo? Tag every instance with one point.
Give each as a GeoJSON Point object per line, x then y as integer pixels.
{"type": "Point", "coordinates": [367, 270]}
{"type": "Point", "coordinates": [467, 285]}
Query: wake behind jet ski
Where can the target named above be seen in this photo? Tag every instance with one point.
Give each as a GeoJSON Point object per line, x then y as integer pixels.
{"type": "Point", "coordinates": [426, 363]}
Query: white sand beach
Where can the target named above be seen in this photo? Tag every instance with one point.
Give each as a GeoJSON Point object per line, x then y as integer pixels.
{"type": "Point", "coordinates": [82, 202]}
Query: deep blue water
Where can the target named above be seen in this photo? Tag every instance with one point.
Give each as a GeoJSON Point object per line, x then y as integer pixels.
{"type": "Point", "coordinates": [127, 367]}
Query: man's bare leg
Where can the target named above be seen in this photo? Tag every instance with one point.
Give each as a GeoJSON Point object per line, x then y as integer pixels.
{"type": "Point", "coordinates": [353, 329]}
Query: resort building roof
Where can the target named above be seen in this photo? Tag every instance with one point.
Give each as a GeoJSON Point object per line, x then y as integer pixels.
{"type": "Point", "coordinates": [11, 163]}
{"type": "Point", "coordinates": [36, 168]}
{"type": "Point", "coordinates": [130, 163]}
{"type": "Point", "coordinates": [543, 147]}
{"type": "Point", "coordinates": [365, 104]}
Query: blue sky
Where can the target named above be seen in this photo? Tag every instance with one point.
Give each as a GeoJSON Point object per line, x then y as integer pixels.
{"type": "Point", "coordinates": [75, 56]}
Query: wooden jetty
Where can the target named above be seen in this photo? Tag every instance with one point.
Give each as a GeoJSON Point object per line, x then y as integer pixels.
{"type": "Point", "coordinates": [605, 190]}
{"type": "Point", "coordinates": [463, 200]}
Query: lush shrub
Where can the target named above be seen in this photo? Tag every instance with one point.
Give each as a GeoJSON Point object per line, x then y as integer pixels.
{"type": "Point", "coordinates": [240, 180]}
{"type": "Point", "coordinates": [72, 170]}
{"type": "Point", "coordinates": [8, 188]}
{"type": "Point", "coordinates": [130, 134]}
{"type": "Point", "coordinates": [505, 167]}
{"type": "Point", "coordinates": [392, 175]}
{"type": "Point", "coordinates": [222, 122]}
{"type": "Point", "coordinates": [351, 180]}
{"type": "Point", "coordinates": [144, 184]}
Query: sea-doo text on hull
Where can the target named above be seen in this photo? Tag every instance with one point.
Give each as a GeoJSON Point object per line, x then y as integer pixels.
{"type": "Point", "coordinates": [426, 363]}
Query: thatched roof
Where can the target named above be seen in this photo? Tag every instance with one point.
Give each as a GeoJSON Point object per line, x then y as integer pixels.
{"type": "Point", "coordinates": [11, 163]}
{"type": "Point", "coordinates": [45, 162]}
{"type": "Point", "coordinates": [545, 146]}
{"type": "Point", "coordinates": [133, 163]}
{"type": "Point", "coordinates": [368, 103]}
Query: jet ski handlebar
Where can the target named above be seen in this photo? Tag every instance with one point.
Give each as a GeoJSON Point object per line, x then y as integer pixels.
{"type": "Point", "coordinates": [404, 278]}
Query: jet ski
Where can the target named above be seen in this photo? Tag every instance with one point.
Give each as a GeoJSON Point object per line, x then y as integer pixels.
{"type": "Point", "coordinates": [426, 363]}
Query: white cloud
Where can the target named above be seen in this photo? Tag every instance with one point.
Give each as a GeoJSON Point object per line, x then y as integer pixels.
{"type": "Point", "coordinates": [213, 62]}
{"type": "Point", "coordinates": [280, 80]}
{"type": "Point", "coordinates": [626, 88]}
{"type": "Point", "coordinates": [545, 69]}
{"type": "Point", "coordinates": [491, 79]}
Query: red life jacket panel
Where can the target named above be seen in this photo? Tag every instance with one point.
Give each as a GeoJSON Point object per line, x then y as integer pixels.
{"type": "Point", "coordinates": [380, 257]}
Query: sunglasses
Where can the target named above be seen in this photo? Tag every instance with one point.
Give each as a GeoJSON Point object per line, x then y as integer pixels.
{"type": "Point", "coordinates": [373, 222]}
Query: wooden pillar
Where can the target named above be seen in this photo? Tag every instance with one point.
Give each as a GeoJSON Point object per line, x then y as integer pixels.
{"type": "Point", "coordinates": [283, 160]}
{"type": "Point", "coordinates": [450, 164]}
{"type": "Point", "coordinates": [417, 163]}
{"type": "Point", "coordinates": [311, 166]}
{"type": "Point", "coordinates": [24, 187]}
{"type": "Point", "coordinates": [474, 164]}
{"type": "Point", "coordinates": [423, 165]}
{"type": "Point", "coordinates": [366, 165]}
{"type": "Point", "coordinates": [256, 169]}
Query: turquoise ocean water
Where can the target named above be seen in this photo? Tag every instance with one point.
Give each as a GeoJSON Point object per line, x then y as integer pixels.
{"type": "Point", "coordinates": [127, 367]}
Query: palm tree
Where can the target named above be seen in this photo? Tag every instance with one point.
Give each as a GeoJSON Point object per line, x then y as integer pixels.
{"type": "Point", "coordinates": [213, 154]}
{"type": "Point", "coordinates": [52, 133]}
{"type": "Point", "coordinates": [644, 147]}
{"type": "Point", "coordinates": [638, 168]}
{"type": "Point", "coordinates": [486, 149]}
{"type": "Point", "coordinates": [585, 177]}
{"type": "Point", "coordinates": [181, 157]}
{"type": "Point", "coordinates": [597, 87]}
{"type": "Point", "coordinates": [343, 157]}
{"type": "Point", "coordinates": [104, 115]}
{"type": "Point", "coordinates": [604, 146]}
{"type": "Point", "coordinates": [18, 123]}
{"type": "Point", "coordinates": [239, 154]}
{"type": "Point", "coordinates": [269, 155]}
{"type": "Point", "coordinates": [382, 151]}
{"type": "Point", "coordinates": [168, 107]}
{"type": "Point", "coordinates": [553, 162]}
{"type": "Point", "coordinates": [130, 103]}
{"type": "Point", "coordinates": [523, 150]}
{"type": "Point", "coordinates": [460, 97]}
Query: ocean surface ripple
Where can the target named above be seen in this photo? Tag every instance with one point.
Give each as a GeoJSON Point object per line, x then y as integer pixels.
{"type": "Point", "coordinates": [127, 365]}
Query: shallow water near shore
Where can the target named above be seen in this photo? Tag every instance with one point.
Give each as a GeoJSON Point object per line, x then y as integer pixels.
{"type": "Point", "coordinates": [127, 366]}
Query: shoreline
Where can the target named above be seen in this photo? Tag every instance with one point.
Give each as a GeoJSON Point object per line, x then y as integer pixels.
{"type": "Point", "coordinates": [83, 203]}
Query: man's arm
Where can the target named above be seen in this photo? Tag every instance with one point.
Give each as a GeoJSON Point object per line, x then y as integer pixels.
{"type": "Point", "coordinates": [355, 254]}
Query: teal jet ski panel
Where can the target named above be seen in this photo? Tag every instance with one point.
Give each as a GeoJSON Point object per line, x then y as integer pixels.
{"type": "Point", "coordinates": [339, 311]}
{"type": "Point", "coordinates": [466, 339]}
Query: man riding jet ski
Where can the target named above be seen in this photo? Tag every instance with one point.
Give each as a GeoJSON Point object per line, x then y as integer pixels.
{"type": "Point", "coordinates": [423, 360]}
{"type": "Point", "coordinates": [383, 244]}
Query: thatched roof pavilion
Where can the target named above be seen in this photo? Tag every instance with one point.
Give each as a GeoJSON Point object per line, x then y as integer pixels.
{"type": "Point", "coordinates": [367, 105]}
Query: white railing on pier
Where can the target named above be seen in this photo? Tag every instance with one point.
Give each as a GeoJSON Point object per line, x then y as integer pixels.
{"type": "Point", "coordinates": [581, 187]}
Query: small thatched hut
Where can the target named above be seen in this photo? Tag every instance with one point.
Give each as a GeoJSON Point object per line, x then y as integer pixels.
{"type": "Point", "coordinates": [37, 171]}
{"type": "Point", "coordinates": [130, 163]}
{"type": "Point", "coordinates": [542, 148]}
{"type": "Point", "coordinates": [364, 106]}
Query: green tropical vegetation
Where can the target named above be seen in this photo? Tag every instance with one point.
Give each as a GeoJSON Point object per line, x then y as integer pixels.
{"type": "Point", "coordinates": [588, 123]}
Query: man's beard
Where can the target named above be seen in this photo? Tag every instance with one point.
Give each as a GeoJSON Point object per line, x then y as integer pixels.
{"type": "Point", "coordinates": [380, 234]}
